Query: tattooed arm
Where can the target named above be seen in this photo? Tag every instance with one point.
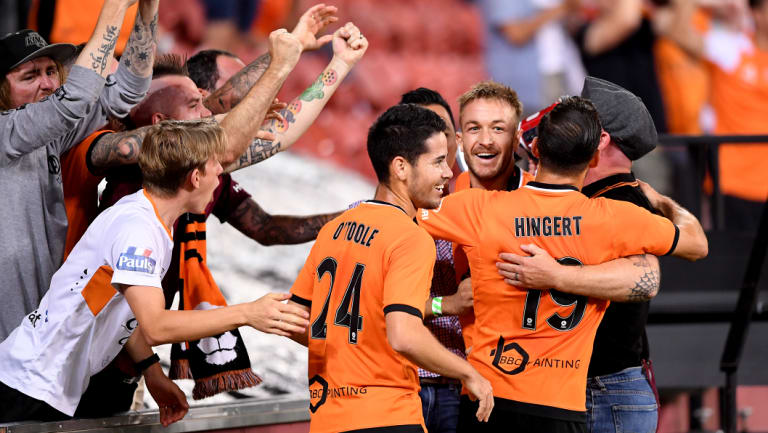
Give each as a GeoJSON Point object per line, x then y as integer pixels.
{"type": "Point", "coordinates": [268, 229]}
{"type": "Point", "coordinates": [630, 279]}
{"type": "Point", "coordinates": [313, 21]}
{"type": "Point", "coordinates": [139, 53]}
{"type": "Point", "coordinates": [97, 54]}
{"type": "Point", "coordinates": [348, 47]}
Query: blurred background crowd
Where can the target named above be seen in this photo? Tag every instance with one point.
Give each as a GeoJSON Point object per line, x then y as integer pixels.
{"type": "Point", "coordinates": [701, 66]}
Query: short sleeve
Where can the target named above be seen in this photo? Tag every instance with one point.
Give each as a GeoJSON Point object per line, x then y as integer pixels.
{"type": "Point", "coordinates": [457, 218]}
{"type": "Point", "coordinates": [301, 291]}
{"type": "Point", "coordinates": [228, 196]}
{"type": "Point", "coordinates": [410, 263]}
{"type": "Point", "coordinates": [135, 256]}
{"type": "Point", "coordinates": [638, 231]}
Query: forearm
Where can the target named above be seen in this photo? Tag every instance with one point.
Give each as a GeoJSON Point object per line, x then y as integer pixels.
{"type": "Point", "coordinates": [169, 326]}
{"type": "Point", "coordinates": [520, 32]}
{"type": "Point", "coordinates": [250, 219]}
{"type": "Point", "coordinates": [116, 149]}
{"type": "Point", "coordinates": [612, 27]}
{"type": "Point", "coordinates": [139, 53]}
{"type": "Point", "coordinates": [235, 89]}
{"type": "Point", "coordinates": [679, 28]}
{"type": "Point", "coordinates": [631, 279]}
{"type": "Point", "coordinates": [98, 51]}
{"type": "Point", "coordinates": [692, 243]}
{"type": "Point", "coordinates": [241, 124]}
{"type": "Point", "coordinates": [415, 342]}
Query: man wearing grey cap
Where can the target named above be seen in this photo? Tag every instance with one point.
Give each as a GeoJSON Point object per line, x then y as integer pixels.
{"type": "Point", "coordinates": [41, 120]}
{"type": "Point", "coordinates": [620, 373]}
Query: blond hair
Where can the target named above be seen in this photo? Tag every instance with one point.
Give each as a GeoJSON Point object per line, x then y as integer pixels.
{"type": "Point", "coordinates": [491, 90]}
{"type": "Point", "coordinates": [5, 87]}
{"type": "Point", "coordinates": [173, 148]}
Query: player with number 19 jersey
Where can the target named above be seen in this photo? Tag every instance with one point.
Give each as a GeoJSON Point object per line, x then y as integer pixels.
{"type": "Point", "coordinates": [535, 345]}
{"type": "Point", "coordinates": [371, 260]}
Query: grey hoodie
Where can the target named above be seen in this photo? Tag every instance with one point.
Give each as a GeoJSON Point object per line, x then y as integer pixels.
{"type": "Point", "coordinates": [33, 220]}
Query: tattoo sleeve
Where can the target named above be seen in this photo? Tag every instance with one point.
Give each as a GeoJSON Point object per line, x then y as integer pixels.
{"type": "Point", "coordinates": [139, 53]}
{"type": "Point", "coordinates": [257, 151]}
{"type": "Point", "coordinates": [235, 89]}
{"type": "Point", "coordinates": [119, 148]}
{"type": "Point", "coordinates": [250, 219]}
{"type": "Point", "coordinates": [100, 59]}
{"type": "Point", "coordinates": [647, 285]}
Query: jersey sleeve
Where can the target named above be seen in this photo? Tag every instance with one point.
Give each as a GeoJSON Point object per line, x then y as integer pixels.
{"type": "Point", "coordinates": [724, 47]}
{"type": "Point", "coordinates": [134, 254]}
{"type": "Point", "coordinates": [301, 291]}
{"type": "Point", "coordinates": [409, 274]}
{"type": "Point", "coordinates": [638, 231]}
{"type": "Point", "coordinates": [457, 218]}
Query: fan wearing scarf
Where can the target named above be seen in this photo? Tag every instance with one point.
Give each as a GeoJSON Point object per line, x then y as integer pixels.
{"type": "Point", "coordinates": [108, 294]}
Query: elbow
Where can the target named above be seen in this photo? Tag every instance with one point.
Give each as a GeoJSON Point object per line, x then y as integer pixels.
{"type": "Point", "coordinates": [701, 251]}
{"type": "Point", "coordinates": [401, 342]}
{"type": "Point", "coordinates": [152, 336]}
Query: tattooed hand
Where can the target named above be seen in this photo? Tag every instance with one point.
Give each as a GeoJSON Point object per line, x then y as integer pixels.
{"type": "Point", "coordinates": [284, 48]}
{"type": "Point", "coordinates": [349, 44]}
{"type": "Point", "coordinates": [314, 20]}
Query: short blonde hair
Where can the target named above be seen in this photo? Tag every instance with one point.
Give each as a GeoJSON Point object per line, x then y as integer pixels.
{"type": "Point", "coordinates": [173, 148]}
{"type": "Point", "coordinates": [491, 90]}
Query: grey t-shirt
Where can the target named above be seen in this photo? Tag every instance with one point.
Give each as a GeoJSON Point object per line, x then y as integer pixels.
{"type": "Point", "coordinates": [33, 220]}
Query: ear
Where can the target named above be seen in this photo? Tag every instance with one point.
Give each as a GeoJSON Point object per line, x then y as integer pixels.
{"type": "Point", "coordinates": [399, 168]}
{"type": "Point", "coordinates": [158, 117]}
{"type": "Point", "coordinates": [194, 178]}
{"type": "Point", "coordinates": [535, 147]}
{"type": "Point", "coordinates": [605, 139]}
{"type": "Point", "coordinates": [516, 143]}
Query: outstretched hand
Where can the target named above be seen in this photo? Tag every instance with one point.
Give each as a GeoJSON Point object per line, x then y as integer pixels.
{"type": "Point", "coordinates": [269, 314]}
{"type": "Point", "coordinates": [312, 22]}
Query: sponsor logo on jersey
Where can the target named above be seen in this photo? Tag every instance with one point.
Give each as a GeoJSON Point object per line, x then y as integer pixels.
{"type": "Point", "coordinates": [130, 261]}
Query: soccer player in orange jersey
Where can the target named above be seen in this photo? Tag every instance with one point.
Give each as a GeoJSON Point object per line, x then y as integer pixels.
{"type": "Point", "coordinates": [535, 345]}
{"type": "Point", "coordinates": [365, 284]}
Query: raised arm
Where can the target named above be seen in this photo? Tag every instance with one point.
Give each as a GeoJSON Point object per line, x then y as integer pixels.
{"type": "Point", "coordinates": [349, 46]}
{"type": "Point", "coordinates": [250, 219]}
{"type": "Point", "coordinates": [242, 123]}
{"type": "Point", "coordinates": [613, 26]}
{"type": "Point", "coordinates": [631, 279]}
{"type": "Point", "coordinates": [29, 127]}
{"type": "Point", "coordinates": [314, 20]}
{"type": "Point", "coordinates": [692, 244]}
{"type": "Point", "coordinates": [675, 23]}
{"type": "Point", "coordinates": [521, 31]}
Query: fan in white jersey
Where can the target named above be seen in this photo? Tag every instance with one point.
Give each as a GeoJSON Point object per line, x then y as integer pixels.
{"type": "Point", "coordinates": [108, 293]}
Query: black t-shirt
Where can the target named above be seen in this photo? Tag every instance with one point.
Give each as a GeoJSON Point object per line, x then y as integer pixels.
{"type": "Point", "coordinates": [620, 341]}
{"type": "Point", "coordinates": [630, 65]}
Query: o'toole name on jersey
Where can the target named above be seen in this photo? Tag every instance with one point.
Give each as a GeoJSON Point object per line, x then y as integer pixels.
{"type": "Point", "coordinates": [355, 232]}
{"type": "Point", "coordinates": [547, 226]}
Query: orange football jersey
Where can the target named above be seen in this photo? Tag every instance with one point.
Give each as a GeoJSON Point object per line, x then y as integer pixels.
{"type": "Point", "coordinates": [369, 261]}
{"type": "Point", "coordinates": [534, 346]}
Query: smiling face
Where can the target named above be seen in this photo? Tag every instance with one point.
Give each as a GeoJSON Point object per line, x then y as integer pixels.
{"type": "Point", "coordinates": [489, 138]}
{"type": "Point", "coordinates": [32, 81]}
{"type": "Point", "coordinates": [430, 173]}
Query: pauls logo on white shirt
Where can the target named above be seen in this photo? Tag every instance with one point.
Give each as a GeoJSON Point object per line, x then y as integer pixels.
{"type": "Point", "coordinates": [130, 261]}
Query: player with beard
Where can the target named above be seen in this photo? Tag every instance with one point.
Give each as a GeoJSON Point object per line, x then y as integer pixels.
{"type": "Point", "coordinates": [365, 284]}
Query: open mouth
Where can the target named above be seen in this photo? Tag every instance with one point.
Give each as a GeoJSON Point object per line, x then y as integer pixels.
{"type": "Point", "coordinates": [486, 155]}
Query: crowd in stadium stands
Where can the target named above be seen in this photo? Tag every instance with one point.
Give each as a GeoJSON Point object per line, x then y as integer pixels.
{"type": "Point", "coordinates": [164, 99]}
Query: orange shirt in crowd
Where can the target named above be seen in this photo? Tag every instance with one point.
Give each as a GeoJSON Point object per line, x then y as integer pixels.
{"type": "Point", "coordinates": [74, 21]}
{"type": "Point", "coordinates": [371, 260]}
{"type": "Point", "coordinates": [80, 190]}
{"type": "Point", "coordinates": [535, 345]}
{"type": "Point", "coordinates": [684, 82]}
{"type": "Point", "coordinates": [739, 98]}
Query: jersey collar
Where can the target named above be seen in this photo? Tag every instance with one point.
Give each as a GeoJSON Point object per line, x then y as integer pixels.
{"type": "Point", "coordinates": [385, 203]}
{"type": "Point", "coordinates": [593, 188]}
{"type": "Point", "coordinates": [541, 186]}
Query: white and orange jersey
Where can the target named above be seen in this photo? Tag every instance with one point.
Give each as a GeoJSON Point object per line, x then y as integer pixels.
{"type": "Point", "coordinates": [83, 320]}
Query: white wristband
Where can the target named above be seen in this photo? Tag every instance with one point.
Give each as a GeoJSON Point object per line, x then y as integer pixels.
{"type": "Point", "coordinates": [437, 306]}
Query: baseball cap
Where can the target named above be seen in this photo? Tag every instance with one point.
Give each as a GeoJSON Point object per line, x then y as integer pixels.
{"type": "Point", "coordinates": [623, 116]}
{"type": "Point", "coordinates": [25, 45]}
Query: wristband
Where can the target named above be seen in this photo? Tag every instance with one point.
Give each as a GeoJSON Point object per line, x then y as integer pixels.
{"type": "Point", "coordinates": [146, 363]}
{"type": "Point", "coordinates": [437, 306]}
